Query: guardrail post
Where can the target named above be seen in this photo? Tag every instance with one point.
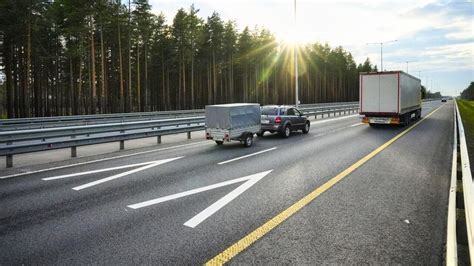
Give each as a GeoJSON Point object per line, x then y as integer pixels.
{"type": "Point", "coordinates": [158, 139]}
{"type": "Point", "coordinates": [9, 161]}
{"type": "Point", "coordinates": [74, 152]}
{"type": "Point", "coordinates": [189, 135]}
{"type": "Point", "coordinates": [122, 144]}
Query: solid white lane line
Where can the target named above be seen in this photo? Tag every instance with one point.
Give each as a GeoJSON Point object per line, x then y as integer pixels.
{"type": "Point", "coordinates": [246, 156]}
{"type": "Point", "coordinates": [356, 124]}
{"type": "Point", "coordinates": [333, 119]}
{"type": "Point", "coordinates": [105, 159]}
{"type": "Point", "coordinates": [206, 213]}
{"type": "Point", "coordinates": [186, 193]}
{"type": "Point", "coordinates": [103, 180]}
{"type": "Point", "coordinates": [97, 171]}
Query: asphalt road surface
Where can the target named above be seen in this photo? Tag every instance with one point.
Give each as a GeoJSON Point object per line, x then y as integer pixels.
{"type": "Point", "coordinates": [188, 203]}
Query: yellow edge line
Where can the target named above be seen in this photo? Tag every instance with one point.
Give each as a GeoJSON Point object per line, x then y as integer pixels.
{"type": "Point", "coordinates": [251, 238]}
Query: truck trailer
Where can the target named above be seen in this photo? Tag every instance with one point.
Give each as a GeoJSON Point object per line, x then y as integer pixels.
{"type": "Point", "coordinates": [236, 121]}
{"type": "Point", "coordinates": [389, 97]}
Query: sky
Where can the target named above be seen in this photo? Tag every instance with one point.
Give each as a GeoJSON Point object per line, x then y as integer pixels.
{"type": "Point", "coordinates": [436, 38]}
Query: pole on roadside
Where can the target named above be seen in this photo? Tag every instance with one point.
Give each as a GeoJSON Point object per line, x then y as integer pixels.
{"type": "Point", "coordinates": [296, 63]}
{"type": "Point", "coordinates": [381, 51]}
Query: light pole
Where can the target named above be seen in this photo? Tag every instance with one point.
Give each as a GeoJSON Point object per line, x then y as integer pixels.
{"type": "Point", "coordinates": [409, 62]}
{"type": "Point", "coordinates": [296, 61]}
{"type": "Point", "coordinates": [381, 51]}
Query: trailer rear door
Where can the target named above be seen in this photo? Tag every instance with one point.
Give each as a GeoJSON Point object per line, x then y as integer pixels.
{"type": "Point", "coordinates": [370, 93]}
{"type": "Point", "coordinates": [388, 93]}
{"type": "Point", "coordinates": [379, 93]}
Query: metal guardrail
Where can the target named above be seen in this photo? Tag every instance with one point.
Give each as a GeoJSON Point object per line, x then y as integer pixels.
{"type": "Point", "coordinates": [57, 132]}
{"type": "Point", "coordinates": [43, 139]}
{"type": "Point", "coordinates": [77, 120]}
{"type": "Point", "coordinates": [460, 169]}
{"type": "Point", "coordinates": [81, 120]}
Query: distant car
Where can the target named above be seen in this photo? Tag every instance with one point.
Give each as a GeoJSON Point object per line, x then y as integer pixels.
{"type": "Point", "coordinates": [443, 100]}
{"type": "Point", "coordinates": [283, 119]}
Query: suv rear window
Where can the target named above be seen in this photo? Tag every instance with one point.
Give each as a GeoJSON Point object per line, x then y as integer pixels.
{"type": "Point", "coordinates": [270, 111]}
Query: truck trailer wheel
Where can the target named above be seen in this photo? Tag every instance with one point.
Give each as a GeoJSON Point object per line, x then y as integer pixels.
{"type": "Point", "coordinates": [248, 140]}
{"type": "Point", "coordinates": [219, 142]}
{"type": "Point", "coordinates": [406, 119]}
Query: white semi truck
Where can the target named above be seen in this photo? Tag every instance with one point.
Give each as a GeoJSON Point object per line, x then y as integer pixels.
{"type": "Point", "coordinates": [390, 97]}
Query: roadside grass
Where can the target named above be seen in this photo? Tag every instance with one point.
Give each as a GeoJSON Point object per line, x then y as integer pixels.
{"type": "Point", "coordinates": [466, 108]}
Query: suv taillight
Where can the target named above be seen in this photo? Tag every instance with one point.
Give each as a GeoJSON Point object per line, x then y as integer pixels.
{"type": "Point", "coordinates": [278, 120]}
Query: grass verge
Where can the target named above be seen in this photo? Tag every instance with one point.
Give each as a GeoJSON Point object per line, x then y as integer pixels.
{"type": "Point", "coordinates": [466, 108]}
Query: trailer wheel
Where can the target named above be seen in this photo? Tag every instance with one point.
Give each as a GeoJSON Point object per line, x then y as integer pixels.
{"type": "Point", "coordinates": [248, 140]}
{"type": "Point", "coordinates": [219, 142]}
{"type": "Point", "coordinates": [418, 114]}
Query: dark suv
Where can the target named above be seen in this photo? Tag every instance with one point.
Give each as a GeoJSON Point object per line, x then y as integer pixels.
{"type": "Point", "coordinates": [283, 119]}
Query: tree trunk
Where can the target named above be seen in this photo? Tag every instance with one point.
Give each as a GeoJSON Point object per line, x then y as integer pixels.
{"type": "Point", "coordinates": [79, 88]}
{"type": "Point", "coordinates": [103, 99]}
{"type": "Point", "coordinates": [146, 78]}
{"type": "Point", "coordinates": [121, 95]}
{"type": "Point", "coordinates": [185, 104]}
{"type": "Point", "coordinates": [214, 78]}
{"type": "Point", "coordinates": [138, 79]}
{"type": "Point", "coordinates": [93, 87]}
{"type": "Point", "coordinates": [8, 73]}
{"type": "Point", "coordinates": [192, 80]}
{"type": "Point", "coordinates": [71, 88]}
{"type": "Point", "coordinates": [129, 61]}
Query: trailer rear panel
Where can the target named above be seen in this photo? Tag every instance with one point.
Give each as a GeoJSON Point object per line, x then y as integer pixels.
{"type": "Point", "coordinates": [389, 97]}
{"type": "Point", "coordinates": [386, 93]}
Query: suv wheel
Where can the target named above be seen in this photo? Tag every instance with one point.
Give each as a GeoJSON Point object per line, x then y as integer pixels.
{"type": "Point", "coordinates": [286, 131]}
{"type": "Point", "coordinates": [306, 128]}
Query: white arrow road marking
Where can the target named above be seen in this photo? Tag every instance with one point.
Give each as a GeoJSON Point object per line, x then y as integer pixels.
{"type": "Point", "coordinates": [245, 156]}
{"type": "Point", "coordinates": [103, 180]}
{"type": "Point", "coordinates": [97, 171]}
{"type": "Point", "coordinates": [196, 220]}
{"type": "Point", "coordinates": [193, 222]}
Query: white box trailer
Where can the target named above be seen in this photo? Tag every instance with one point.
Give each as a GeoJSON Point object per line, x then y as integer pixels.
{"type": "Point", "coordinates": [390, 97]}
{"type": "Point", "coordinates": [236, 121]}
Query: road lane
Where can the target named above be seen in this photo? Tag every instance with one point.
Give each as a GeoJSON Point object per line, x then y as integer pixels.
{"type": "Point", "coordinates": [390, 210]}
{"type": "Point", "coordinates": [48, 222]}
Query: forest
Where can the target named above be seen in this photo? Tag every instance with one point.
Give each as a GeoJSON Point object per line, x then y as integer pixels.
{"type": "Point", "coordinates": [69, 57]}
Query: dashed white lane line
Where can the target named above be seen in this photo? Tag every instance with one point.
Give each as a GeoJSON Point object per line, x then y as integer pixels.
{"type": "Point", "coordinates": [335, 130]}
{"type": "Point", "coordinates": [105, 159]}
{"type": "Point", "coordinates": [103, 180]}
{"type": "Point", "coordinates": [333, 119]}
{"type": "Point", "coordinates": [246, 156]}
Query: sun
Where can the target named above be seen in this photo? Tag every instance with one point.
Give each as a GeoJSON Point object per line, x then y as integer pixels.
{"type": "Point", "coordinates": [293, 37]}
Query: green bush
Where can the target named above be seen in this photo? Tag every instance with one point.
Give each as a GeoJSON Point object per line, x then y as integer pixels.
{"type": "Point", "coordinates": [468, 93]}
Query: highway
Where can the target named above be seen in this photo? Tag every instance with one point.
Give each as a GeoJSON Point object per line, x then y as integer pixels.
{"type": "Point", "coordinates": [187, 203]}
